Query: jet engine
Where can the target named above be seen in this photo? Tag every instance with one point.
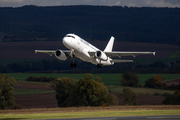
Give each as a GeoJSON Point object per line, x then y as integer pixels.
{"type": "Point", "coordinates": [101, 55]}
{"type": "Point", "coordinates": [60, 55]}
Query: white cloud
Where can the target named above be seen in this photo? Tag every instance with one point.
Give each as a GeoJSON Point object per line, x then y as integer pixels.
{"type": "Point", "coordinates": [135, 3]}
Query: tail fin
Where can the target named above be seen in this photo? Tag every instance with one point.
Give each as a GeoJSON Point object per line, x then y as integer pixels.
{"type": "Point", "coordinates": [109, 45]}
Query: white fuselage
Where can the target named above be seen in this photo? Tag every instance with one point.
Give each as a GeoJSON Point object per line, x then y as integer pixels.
{"type": "Point", "coordinates": [80, 49]}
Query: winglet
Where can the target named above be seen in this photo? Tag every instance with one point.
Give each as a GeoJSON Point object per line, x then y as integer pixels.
{"type": "Point", "coordinates": [154, 53]}
{"type": "Point", "coordinates": [109, 45]}
{"type": "Point", "coordinates": [35, 51]}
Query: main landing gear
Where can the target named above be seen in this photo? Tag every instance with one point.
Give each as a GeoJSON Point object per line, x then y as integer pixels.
{"type": "Point", "coordinates": [73, 65]}
{"type": "Point", "coordinates": [99, 65]}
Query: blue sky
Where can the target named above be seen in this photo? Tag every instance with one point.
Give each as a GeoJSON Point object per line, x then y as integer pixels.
{"type": "Point", "coordinates": [134, 3]}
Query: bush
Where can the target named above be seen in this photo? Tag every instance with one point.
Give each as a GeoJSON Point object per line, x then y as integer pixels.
{"type": "Point", "coordinates": [114, 100]}
{"type": "Point", "coordinates": [166, 94]}
{"type": "Point", "coordinates": [172, 99]}
{"type": "Point", "coordinates": [156, 93]}
{"type": "Point", "coordinates": [16, 106]}
{"type": "Point", "coordinates": [177, 93]}
{"type": "Point", "coordinates": [130, 98]}
{"type": "Point", "coordinates": [129, 79]}
{"type": "Point", "coordinates": [40, 79]}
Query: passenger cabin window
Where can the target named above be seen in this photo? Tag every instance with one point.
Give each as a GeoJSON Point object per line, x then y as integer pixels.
{"type": "Point", "coordinates": [70, 36]}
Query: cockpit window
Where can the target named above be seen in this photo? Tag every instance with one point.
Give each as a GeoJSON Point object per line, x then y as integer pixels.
{"type": "Point", "coordinates": [70, 36]}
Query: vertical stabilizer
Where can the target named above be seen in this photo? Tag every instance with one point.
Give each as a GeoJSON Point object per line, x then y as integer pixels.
{"type": "Point", "coordinates": [109, 45]}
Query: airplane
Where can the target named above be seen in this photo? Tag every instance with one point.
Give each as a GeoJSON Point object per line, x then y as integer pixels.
{"type": "Point", "coordinates": [79, 48]}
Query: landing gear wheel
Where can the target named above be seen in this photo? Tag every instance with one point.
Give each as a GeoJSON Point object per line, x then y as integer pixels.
{"type": "Point", "coordinates": [99, 65]}
{"type": "Point", "coordinates": [73, 65]}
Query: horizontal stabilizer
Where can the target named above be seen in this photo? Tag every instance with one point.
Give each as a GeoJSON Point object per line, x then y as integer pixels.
{"type": "Point", "coordinates": [50, 52]}
{"type": "Point", "coordinates": [121, 61]}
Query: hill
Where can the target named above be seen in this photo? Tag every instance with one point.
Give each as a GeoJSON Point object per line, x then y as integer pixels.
{"type": "Point", "coordinates": [33, 23]}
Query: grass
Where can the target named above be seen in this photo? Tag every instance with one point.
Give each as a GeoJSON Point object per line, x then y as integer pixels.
{"type": "Point", "coordinates": [175, 55]}
{"type": "Point", "coordinates": [24, 91]}
{"type": "Point", "coordinates": [149, 91]}
{"type": "Point", "coordinates": [107, 113]}
{"type": "Point", "coordinates": [108, 79]}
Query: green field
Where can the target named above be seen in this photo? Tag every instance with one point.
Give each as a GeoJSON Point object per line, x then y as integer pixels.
{"type": "Point", "coordinates": [108, 79]}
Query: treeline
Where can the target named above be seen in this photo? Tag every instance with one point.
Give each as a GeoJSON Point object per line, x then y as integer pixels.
{"type": "Point", "coordinates": [57, 66]}
{"type": "Point", "coordinates": [131, 24]}
{"type": "Point", "coordinates": [158, 67]}
{"type": "Point", "coordinates": [131, 80]}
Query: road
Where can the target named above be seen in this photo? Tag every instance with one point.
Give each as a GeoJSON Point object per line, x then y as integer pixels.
{"type": "Point", "coordinates": [159, 117]}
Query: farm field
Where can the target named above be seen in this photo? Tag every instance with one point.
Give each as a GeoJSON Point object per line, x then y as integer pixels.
{"type": "Point", "coordinates": [25, 50]}
{"type": "Point", "coordinates": [26, 91]}
{"type": "Point", "coordinates": [41, 95]}
{"type": "Point", "coordinates": [28, 88]}
{"type": "Point", "coordinates": [107, 79]}
{"type": "Point", "coordinates": [137, 90]}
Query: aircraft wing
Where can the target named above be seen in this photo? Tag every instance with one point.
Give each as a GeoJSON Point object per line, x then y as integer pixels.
{"type": "Point", "coordinates": [121, 61]}
{"type": "Point", "coordinates": [119, 53]}
{"type": "Point", "coordinates": [51, 52]}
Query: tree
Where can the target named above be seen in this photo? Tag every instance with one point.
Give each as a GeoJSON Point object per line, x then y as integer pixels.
{"type": "Point", "coordinates": [129, 79]}
{"type": "Point", "coordinates": [172, 99]}
{"type": "Point", "coordinates": [130, 98]}
{"type": "Point", "coordinates": [6, 91]}
{"type": "Point", "coordinates": [83, 92]}
{"type": "Point", "coordinates": [154, 82]}
{"type": "Point", "coordinates": [95, 93]}
{"type": "Point", "coordinates": [64, 88]}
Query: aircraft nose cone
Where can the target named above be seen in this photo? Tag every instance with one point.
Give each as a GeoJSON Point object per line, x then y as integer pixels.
{"type": "Point", "coordinates": [64, 41]}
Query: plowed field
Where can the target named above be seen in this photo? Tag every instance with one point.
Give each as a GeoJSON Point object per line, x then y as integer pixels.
{"type": "Point", "coordinates": [25, 50]}
{"type": "Point", "coordinates": [49, 100]}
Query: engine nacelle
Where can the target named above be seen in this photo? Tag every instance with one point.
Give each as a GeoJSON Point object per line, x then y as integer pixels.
{"type": "Point", "coordinates": [101, 55]}
{"type": "Point", "coordinates": [60, 55]}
